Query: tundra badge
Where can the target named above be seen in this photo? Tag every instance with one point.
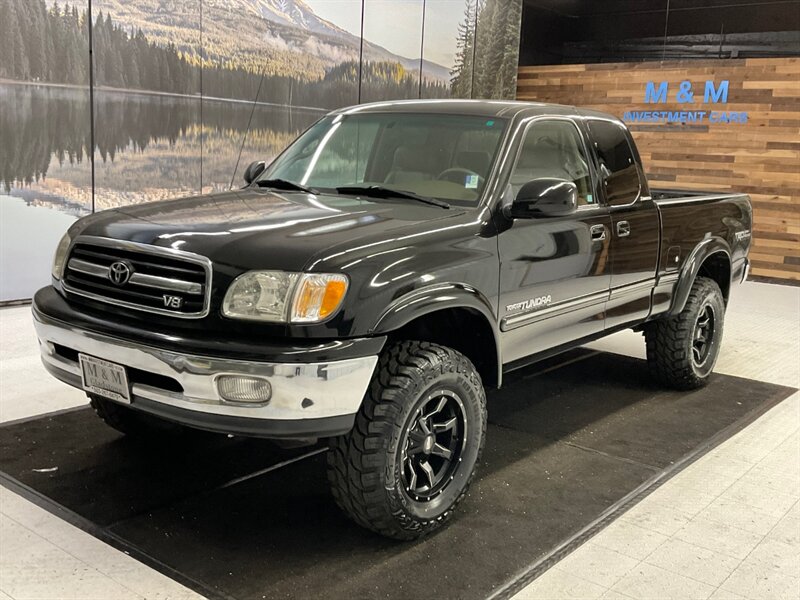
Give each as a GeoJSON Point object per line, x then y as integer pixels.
{"type": "Point", "coordinates": [532, 303]}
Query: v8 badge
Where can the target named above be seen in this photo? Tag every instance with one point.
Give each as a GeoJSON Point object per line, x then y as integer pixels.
{"type": "Point", "coordinates": [175, 302]}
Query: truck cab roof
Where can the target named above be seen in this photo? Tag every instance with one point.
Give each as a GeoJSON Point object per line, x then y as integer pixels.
{"type": "Point", "coordinates": [488, 108]}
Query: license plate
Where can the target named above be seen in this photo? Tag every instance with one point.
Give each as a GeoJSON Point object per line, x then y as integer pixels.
{"type": "Point", "coordinates": [104, 378]}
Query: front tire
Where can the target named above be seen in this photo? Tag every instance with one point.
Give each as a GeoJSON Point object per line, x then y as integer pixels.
{"type": "Point", "coordinates": [683, 349]}
{"type": "Point", "coordinates": [417, 439]}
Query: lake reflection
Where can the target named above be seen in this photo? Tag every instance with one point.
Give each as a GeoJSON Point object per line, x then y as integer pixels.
{"type": "Point", "coordinates": [147, 147]}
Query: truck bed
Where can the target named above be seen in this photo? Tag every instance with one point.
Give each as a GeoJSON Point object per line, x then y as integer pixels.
{"type": "Point", "coordinates": [690, 219]}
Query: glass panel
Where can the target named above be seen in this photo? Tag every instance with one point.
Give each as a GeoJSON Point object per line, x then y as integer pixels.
{"type": "Point", "coordinates": [448, 25]}
{"type": "Point", "coordinates": [581, 32]}
{"type": "Point", "coordinates": [497, 49]}
{"type": "Point", "coordinates": [444, 156]}
{"type": "Point", "coordinates": [146, 102]}
{"type": "Point", "coordinates": [287, 63]}
{"type": "Point", "coordinates": [554, 149]}
{"type": "Point", "coordinates": [392, 46]}
{"type": "Point", "coordinates": [617, 165]}
{"type": "Point", "coordinates": [45, 144]}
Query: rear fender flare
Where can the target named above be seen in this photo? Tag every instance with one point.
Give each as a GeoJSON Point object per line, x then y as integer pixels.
{"type": "Point", "coordinates": [691, 267]}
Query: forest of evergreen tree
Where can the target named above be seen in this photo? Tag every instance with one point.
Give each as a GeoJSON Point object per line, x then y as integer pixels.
{"type": "Point", "coordinates": [487, 53]}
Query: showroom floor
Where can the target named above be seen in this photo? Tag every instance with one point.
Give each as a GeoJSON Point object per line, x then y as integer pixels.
{"type": "Point", "coordinates": [728, 526]}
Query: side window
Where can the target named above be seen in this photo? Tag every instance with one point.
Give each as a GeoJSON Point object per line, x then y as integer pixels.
{"type": "Point", "coordinates": [554, 149]}
{"type": "Point", "coordinates": [617, 166]}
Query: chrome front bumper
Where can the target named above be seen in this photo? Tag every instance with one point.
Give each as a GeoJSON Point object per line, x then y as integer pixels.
{"type": "Point", "coordinates": [304, 392]}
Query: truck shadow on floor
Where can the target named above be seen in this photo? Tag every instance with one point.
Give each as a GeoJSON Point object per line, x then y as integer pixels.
{"type": "Point", "coordinates": [220, 514]}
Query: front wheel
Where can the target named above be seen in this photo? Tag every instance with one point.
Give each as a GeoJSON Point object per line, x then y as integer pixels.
{"type": "Point", "coordinates": [417, 439]}
{"type": "Point", "coordinates": [683, 349]}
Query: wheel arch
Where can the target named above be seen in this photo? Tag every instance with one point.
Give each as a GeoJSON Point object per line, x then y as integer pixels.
{"type": "Point", "coordinates": [453, 315]}
{"type": "Point", "coordinates": [711, 259]}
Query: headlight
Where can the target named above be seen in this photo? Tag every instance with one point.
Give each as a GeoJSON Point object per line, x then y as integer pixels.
{"type": "Point", "coordinates": [260, 295]}
{"type": "Point", "coordinates": [280, 297]}
{"type": "Point", "coordinates": [60, 258]}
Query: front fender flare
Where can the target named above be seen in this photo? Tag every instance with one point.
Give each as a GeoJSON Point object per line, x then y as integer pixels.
{"type": "Point", "coordinates": [437, 297]}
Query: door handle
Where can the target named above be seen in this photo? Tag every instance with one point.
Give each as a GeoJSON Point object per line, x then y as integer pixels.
{"type": "Point", "coordinates": [623, 229]}
{"type": "Point", "coordinates": [598, 233]}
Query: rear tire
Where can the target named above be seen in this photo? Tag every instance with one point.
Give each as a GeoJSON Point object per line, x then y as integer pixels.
{"type": "Point", "coordinates": [683, 349]}
{"type": "Point", "coordinates": [131, 422]}
{"type": "Point", "coordinates": [412, 453]}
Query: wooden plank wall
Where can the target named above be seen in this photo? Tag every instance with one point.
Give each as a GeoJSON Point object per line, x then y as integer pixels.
{"type": "Point", "coordinates": [760, 157]}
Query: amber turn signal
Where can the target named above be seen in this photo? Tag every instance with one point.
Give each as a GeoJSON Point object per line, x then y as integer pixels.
{"type": "Point", "coordinates": [318, 296]}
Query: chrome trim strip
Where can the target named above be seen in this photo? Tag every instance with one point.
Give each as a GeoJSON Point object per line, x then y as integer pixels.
{"type": "Point", "coordinates": [154, 251]}
{"type": "Point", "coordinates": [299, 391]}
{"type": "Point", "coordinates": [521, 319]}
{"type": "Point", "coordinates": [87, 268]}
{"type": "Point", "coordinates": [668, 278]}
{"type": "Point", "coordinates": [633, 288]}
{"type": "Point", "coordinates": [694, 198]}
{"type": "Point", "coordinates": [166, 283]}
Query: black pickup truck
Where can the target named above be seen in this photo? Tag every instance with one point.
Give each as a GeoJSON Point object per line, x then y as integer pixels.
{"type": "Point", "coordinates": [371, 282]}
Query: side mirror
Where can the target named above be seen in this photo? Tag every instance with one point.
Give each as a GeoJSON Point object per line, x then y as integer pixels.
{"type": "Point", "coordinates": [253, 170]}
{"type": "Point", "coordinates": [544, 197]}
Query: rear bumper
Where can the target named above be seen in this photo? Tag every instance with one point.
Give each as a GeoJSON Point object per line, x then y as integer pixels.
{"type": "Point", "coordinates": [309, 399]}
{"type": "Point", "coordinates": [746, 270]}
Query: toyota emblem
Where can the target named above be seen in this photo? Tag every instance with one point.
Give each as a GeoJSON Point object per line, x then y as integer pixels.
{"type": "Point", "coordinates": [119, 272]}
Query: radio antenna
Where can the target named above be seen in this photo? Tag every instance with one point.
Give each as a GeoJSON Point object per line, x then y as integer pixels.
{"type": "Point", "coordinates": [249, 121]}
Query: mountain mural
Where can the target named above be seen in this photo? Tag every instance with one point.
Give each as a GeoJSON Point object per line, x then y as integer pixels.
{"type": "Point", "coordinates": [283, 37]}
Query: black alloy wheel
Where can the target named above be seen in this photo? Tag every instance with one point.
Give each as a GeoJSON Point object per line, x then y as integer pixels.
{"type": "Point", "coordinates": [703, 335]}
{"type": "Point", "coordinates": [434, 440]}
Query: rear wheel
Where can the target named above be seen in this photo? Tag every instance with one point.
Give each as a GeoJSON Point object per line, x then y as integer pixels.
{"type": "Point", "coordinates": [412, 453]}
{"type": "Point", "coordinates": [131, 422]}
{"type": "Point", "coordinates": [683, 349]}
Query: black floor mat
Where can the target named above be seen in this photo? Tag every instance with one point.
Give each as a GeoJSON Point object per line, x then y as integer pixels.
{"type": "Point", "coordinates": [563, 446]}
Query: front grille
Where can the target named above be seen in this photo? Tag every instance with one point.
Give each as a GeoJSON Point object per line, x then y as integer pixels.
{"type": "Point", "coordinates": [139, 276]}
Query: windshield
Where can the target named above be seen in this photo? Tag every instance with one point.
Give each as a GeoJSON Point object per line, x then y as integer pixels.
{"type": "Point", "coordinates": [437, 156]}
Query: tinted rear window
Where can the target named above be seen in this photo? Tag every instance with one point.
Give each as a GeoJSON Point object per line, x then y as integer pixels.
{"type": "Point", "coordinates": [618, 168]}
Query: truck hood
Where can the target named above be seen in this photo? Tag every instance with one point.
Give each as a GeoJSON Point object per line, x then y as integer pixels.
{"type": "Point", "coordinates": [255, 228]}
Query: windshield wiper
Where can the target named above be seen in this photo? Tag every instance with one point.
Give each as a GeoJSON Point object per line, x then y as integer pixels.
{"type": "Point", "coordinates": [285, 184]}
{"type": "Point", "coordinates": [379, 191]}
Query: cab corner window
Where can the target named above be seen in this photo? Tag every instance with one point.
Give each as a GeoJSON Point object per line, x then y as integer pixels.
{"type": "Point", "coordinates": [554, 149]}
{"type": "Point", "coordinates": [618, 170]}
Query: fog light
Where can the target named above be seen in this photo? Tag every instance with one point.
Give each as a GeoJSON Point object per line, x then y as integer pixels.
{"type": "Point", "coordinates": [234, 388]}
